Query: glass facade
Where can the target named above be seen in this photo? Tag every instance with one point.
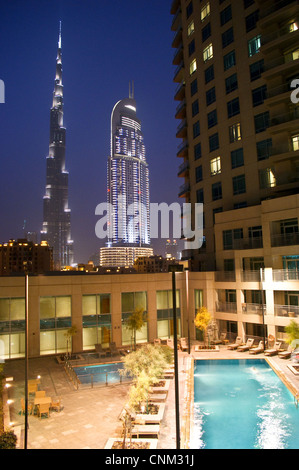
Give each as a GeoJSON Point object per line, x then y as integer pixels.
{"type": "Point", "coordinates": [131, 301]}
{"type": "Point", "coordinates": [96, 320]}
{"type": "Point", "coordinates": [55, 320]}
{"type": "Point", "coordinates": [12, 327]}
{"type": "Point", "coordinates": [165, 314]}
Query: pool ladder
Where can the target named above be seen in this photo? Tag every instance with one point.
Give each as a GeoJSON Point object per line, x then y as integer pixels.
{"type": "Point", "coordinates": [296, 399]}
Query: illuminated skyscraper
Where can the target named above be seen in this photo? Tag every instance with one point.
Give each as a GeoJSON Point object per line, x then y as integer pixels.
{"type": "Point", "coordinates": [128, 188]}
{"type": "Point", "coordinates": [57, 225]}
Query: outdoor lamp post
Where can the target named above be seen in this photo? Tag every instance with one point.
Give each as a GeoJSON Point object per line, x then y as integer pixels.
{"type": "Point", "coordinates": [173, 268]}
{"type": "Point", "coordinates": [27, 268]}
{"type": "Point", "coordinates": [263, 305]}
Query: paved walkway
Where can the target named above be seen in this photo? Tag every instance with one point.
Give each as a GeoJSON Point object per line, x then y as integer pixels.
{"type": "Point", "coordinates": [90, 416]}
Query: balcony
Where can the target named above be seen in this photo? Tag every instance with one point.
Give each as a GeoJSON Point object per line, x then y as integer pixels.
{"type": "Point", "coordinates": [178, 56]}
{"type": "Point", "coordinates": [181, 110]}
{"type": "Point", "coordinates": [279, 38]}
{"type": "Point", "coordinates": [225, 276]}
{"type": "Point", "coordinates": [183, 149]}
{"type": "Point", "coordinates": [182, 129]}
{"type": "Point", "coordinates": [179, 72]}
{"type": "Point", "coordinates": [174, 6]}
{"type": "Point", "coordinates": [244, 244]}
{"type": "Point", "coordinates": [255, 309]}
{"type": "Point", "coordinates": [250, 276]}
{"type": "Point", "coordinates": [184, 190]}
{"type": "Point", "coordinates": [287, 63]}
{"type": "Point", "coordinates": [183, 169]}
{"type": "Point", "coordinates": [177, 38]}
{"type": "Point", "coordinates": [270, 8]}
{"type": "Point", "coordinates": [280, 275]}
{"type": "Point", "coordinates": [179, 94]}
{"type": "Point", "coordinates": [285, 122]}
{"type": "Point", "coordinates": [176, 19]}
{"type": "Point", "coordinates": [286, 239]}
{"type": "Point", "coordinates": [286, 310]}
{"type": "Point", "coordinates": [227, 307]}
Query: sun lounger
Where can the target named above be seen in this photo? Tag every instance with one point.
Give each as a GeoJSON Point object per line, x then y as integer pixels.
{"type": "Point", "coordinates": [247, 346]}
{"type": "Point", "coordinates": [285, 354]}
{"type": "Point", "coordinates": [258, 349]}
{"type": "Point", "coordinates": [113, 349]}
{"type": "Point", "coordinates": [99, 349]}
{"type": "Point", "coordinates": [169, 343]}
{"type": "Point", "coordinates": [273, 351]}
{"type": "Point", "coordinates": [220, 340]}
{"type": "Point", "coordinates": [145, 430]}
{"type": "Point", "coordinates": [236, 344]}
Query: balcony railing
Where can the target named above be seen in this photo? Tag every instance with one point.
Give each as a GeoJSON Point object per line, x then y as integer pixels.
{"type": "Point", "coordinates": [185, 188]}
{"type": "Point", "coordinates": [225, 276]}
{"type": "Point", "coordinates": [267, 10]}
{"type": "Point", "coordinates": [250, 276]}
{"type": "Point", "coordinates": [250, 308]}
{"type": "Point", "coordinates": [183, 167]}
{"type": "Point", "coordinates": [286, 239]}
{"type": "Point", "coordinates": [286, 310]}
{"type": "Point", "coordinates": [292, 115]}
{"type": "Point", "coordinates": [285, 275]}
{"type": "Point", "coordinates": [228, 307]}
{"type": "Point", "coordinates": [278, 33]}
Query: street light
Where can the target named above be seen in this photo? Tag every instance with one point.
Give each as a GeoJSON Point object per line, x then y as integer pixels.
{"type": "Point", "coordinates": [173, 268]}
{"type": "Point", "coordinates": [27, 268]}
{"type": "Point", "coordinates": [263, 305]}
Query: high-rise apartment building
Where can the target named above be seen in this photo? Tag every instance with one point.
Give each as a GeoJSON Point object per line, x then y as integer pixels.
{"type": "Point", "coordinates": [128, 189]}
{"type": "Point", "coordinates": [236, 62]}
{"type": "Point", "coordinates": [57, 223]}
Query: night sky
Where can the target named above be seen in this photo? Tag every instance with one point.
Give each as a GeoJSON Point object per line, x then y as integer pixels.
{"type": "Point", "coordinates": [105, 45]}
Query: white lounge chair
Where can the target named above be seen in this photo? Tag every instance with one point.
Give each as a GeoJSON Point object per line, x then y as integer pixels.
{"type": "Point", "coordinates": [286, 354]}
{"type": "Point", "coordinates": [274, 350]}
{"type": "Point", "coordinates": [184, 344]}
{"type": "Point", "coordinates": [247, 346]}
{"type": "Point", "coordinates": [236, 344]}
{"type": "Point", "coordinates": [220, 340]}
{"type": "Point", "coordinates": [258, 349]}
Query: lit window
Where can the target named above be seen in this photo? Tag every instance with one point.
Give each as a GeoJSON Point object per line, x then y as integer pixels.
{"type": "Point", "coordinates": [193, 66]}
{"type": "Point", "coordinates": [205, 11]}
{"type": "Point", "coordinates": [293, 27]}
{"type": "Point", "coordinates": [295, 142]}
{"type": "Point", "coordinates": [267, 178]}
{"type": "Point", "coordinates": [191, 28]}
{"type": "Point", "coordinates": [208, 52]}
{"type": "Point", "coordinates": [254, 45]}
{"type": "Point", "coordinates": [235, 132]}
{"type": "Point", "coordinates": [295, 54]}
{"type": "Point", "coordinates": [215, 165]}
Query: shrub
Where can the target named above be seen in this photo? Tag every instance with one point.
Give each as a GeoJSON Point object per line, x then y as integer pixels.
{"type": "Point", "coordinates": [8, 440]}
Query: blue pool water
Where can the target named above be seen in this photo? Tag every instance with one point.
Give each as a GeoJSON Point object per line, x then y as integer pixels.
{"type": "Point", "coordinates": [242, 404]}
{"type": "Point", "coordinates": [101, 373]}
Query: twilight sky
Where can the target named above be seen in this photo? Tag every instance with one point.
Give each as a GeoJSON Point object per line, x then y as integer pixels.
{"type": "Point", "coordinates": [105, 45]}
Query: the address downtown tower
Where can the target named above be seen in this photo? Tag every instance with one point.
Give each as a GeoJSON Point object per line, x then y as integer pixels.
{"type": "Point", "coordinates": [56, 222]}
{"type": "Point", "coordinates": [127, 188]}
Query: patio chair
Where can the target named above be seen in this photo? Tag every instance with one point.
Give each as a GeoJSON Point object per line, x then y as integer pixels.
{"type": "Point", "coordinates": [247, 346]}
{"type": "Point", "coordinates": [157, 341]}
{"type": "Point", "coordinates": [56, 404]}
{"type": "Point", "coordinates": [113, 349]}
{"type": "Point", "coordinates": [43, 409]}
{"type": "Point", "coordinates": [258, 349]}
{"type": "Point", "coordinates": [169, 343]}
{"type": "Point", "coordinates": [184, 344]}
{"type": "Point", "coordinates": [40, 394]}
{"type": "Point", "coordinates": [286, 354]}
{"type": "Point", "coordinates": [274, 350]}
{"type": "Point", "coordinates": [29, 406]}
{"type": "Point", "coordinates": [237, 343]}
{"type": "Point", "coordinates": [99, 349]}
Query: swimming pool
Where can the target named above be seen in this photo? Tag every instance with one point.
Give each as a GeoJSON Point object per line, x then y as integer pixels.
{"type": "Point", "coordinates": [242, 404]}
{"type": "Point", "coordinates": [100, 374]}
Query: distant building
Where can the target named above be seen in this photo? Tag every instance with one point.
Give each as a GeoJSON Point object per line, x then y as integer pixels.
{"type": "Point", "coordinates": [57, 215]}
{"type": "Point", "coordinates": [153, 264]}
{"type": "Point", "coordinates": [14, 254]}
{"type": "Point", "coordinates": [127, 189]}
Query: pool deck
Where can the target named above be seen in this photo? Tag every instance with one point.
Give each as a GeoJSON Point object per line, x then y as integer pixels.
{"type": "Point", "coordinates": [90, 416]}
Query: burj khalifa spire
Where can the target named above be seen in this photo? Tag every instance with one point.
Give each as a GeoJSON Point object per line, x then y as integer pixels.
{"type": "Point", "coordinates": [56, 213]}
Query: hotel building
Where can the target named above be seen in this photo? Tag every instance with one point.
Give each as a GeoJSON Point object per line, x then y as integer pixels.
{"type": "Point", "coordinates": [127, 189]}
